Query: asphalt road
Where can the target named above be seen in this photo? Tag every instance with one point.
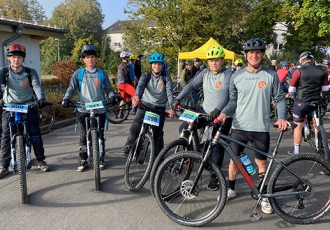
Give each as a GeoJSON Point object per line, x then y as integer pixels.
{"type": "Point", "coordinates": [66, 199]}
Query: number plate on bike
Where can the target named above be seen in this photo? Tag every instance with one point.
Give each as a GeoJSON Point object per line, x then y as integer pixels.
{"type": "Point", "coordinates": [188, 116]}
{"type": "Point", "coordinates": [151, 118]}
{"type": "Point", "coordinates": [94, 105]}
{"type": "Point", "coordinates": [17, 108]}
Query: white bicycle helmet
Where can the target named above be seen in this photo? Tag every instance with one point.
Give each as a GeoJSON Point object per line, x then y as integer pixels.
{"type": "Point", "coordinates": [124, 54]}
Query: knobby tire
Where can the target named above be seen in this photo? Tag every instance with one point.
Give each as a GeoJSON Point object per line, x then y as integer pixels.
{"type": "Point", "coordinates": [21, 167]}
{"type": "Point", "coordinates": [96, 159]}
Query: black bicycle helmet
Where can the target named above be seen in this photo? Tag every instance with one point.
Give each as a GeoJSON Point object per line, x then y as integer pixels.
{"type": "Point", "coordinates": [188, 62]}
{"type": "Point", "coordinates": [16, 49]}
{"type": "Point", "coordinates": [254, 44]}
{"type": "Point", "coordinates": [196, 60]}
{"type": "Point", "coordinates": [88, 49]}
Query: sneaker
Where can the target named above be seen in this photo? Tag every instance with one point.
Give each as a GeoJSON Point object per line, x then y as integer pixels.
{"type": "Point", "coordinates": [3, 171]}
{"type": "Point", "coordinates": [231, 194]}
{"type": "Point", "coordinates": [213, 185]}
{"type": "Point", "coordinates": [126, 151]}
{"type": "Point", "coordinates": [42, 165]}
{"type": "Point", "coordinates": [265, 206]}
{"type": "Point", "coordinates": [102, 165]}
{"type": "Point", "coordinates": [292, 153]}
{"type": "Point", "coordinates": [83, 166]}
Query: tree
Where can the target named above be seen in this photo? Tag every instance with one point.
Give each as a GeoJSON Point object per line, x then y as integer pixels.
{"type": "Point", "coordinates": [23, 9]}
{"type": "Point", "coordinates": [308, 24]}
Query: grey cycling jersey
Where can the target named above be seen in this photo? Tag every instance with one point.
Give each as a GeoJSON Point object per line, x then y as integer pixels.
{"type": "Point", "coordinates": [250, 95]}
{"type": "Point", "coordinates": [91, 88]}
{"type": "Point", "coordinates": [215, 88]}
{"type": "Point", "coordinates": [18, 89]}
{"type": "Point", "coordinates": [155, 92]}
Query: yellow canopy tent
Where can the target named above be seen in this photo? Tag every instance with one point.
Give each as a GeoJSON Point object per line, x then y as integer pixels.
{"type": "Point", "coordinates": [201, 52]}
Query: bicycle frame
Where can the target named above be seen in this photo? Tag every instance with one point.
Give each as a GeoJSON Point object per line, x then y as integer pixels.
{"type": "Point", "coordinates": [222, 139]}
{"type": "Point", "coordinates": [15, 129]}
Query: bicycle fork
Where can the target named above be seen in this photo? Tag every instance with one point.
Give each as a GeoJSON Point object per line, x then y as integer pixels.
{"type": "Point", "coordinates": [91, 125]}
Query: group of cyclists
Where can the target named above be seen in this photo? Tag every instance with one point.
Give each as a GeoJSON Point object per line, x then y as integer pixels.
{"type": "Point", "coordinates": [239, 99]}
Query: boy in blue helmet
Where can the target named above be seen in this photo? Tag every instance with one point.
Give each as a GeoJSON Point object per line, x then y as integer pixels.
{"type": "Point", "coordinates": [152, 93]}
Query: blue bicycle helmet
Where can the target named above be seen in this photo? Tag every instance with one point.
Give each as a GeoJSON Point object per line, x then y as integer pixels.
{"type": "Point", "coordinates": [254, 44]}
{"type": "Point", "coordinates": [156, 57]}
{"type": "Point", "coordinates": [284, 64]}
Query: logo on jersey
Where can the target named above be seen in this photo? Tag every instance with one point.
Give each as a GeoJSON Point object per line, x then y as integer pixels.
{"type": "Point", "coordinates": [25, 84]}
{"type": "Point", "coordinates": [218, 84]}
{"type": "Point", "coordinates": [262, 85]}
{"type": "Point", "coordinates": [160, 86]}
{"type": "Point", "coordinates": [97, 82]}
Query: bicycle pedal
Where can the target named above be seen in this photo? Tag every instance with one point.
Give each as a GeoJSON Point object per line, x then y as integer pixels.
{"type": "Point", "coordinates": [255, 216]}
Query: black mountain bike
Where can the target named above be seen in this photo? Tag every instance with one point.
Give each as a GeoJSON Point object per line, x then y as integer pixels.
{"type": "Point", "coordinates": [119, 113]}
{"type": "Point", "coordinates": [94, 137]}
{"type": "Point", "coordinates": [46, 118]}
{"type": "Point", "coordinates": [298, 188]}
{"type": "Point", "coordinates": [141, 156]}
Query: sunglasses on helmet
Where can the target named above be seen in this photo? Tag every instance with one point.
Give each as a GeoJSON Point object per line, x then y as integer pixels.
{"type": "Point", "coordinates": [16, 47]}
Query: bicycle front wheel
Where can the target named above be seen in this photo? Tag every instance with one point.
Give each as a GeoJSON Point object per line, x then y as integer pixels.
{"type": "Point", "coordinates": [304, 208]}
{"type": "Point", "coordinates": [139, 162]}
{"type": "Point", "coordinates": [173, 189]}
{"type": "Point", "coordinates": [46, 118]}
{"type": "Point", "coordinates": [172, 148]}
{"type": "Point", "coordinates": [119, 113]}
{"type": "Point", "coordinates": [21, 167]}
{"type": "Point", "coordinates": [96, 159]}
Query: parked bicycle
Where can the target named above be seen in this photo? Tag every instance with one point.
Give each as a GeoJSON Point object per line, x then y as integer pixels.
{"type": "Point", "coordinates": [141, 156]}
{"type": "Point", "coordinates": [94, 137]}
{"type": "Point", "coordinates": [46, 118]}
{"type": "Point", "coordinates": [314, 132]}
{"type": "Point", "coordinates": [289, 109]}
{"type": "Point", "coordinates": [20, 144]}
{"type": "Point", "coordinates": [298, 188]}
{"type": "Point", "coordinates": [190, 139]}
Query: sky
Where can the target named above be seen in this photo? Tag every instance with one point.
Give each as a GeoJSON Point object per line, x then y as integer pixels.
{"type": "Point", "coordinates": [113, 10]}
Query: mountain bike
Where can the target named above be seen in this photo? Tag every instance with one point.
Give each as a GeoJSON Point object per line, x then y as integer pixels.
{"type": "Point", "coordinates": [94, 136]}
{"type": "Point", "coordinates": [190, 139]}
{"type": "Point", "coordinates": [314, 132]}
{"type": "Point", "coordinates": [298, 188]}
{"type": "Point", "coordinates": [46, 118]}
{"type": "Point", "coordinates": [119, 113]}
{"type": "Point", "coordinates": [141, 156]}
{"type": "Point", "coordinates": [20, 143]}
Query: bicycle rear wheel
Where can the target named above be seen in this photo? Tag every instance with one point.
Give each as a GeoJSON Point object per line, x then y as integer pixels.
{"type": "Point", "coordinates": [119, 113]}
{"type": "Point", "coordinates": [46, 118]}
{"type": "Point", "coordinates": [172, 148]}
{"type": "Point", "coordinates": [21, 167]}
{"type": "Point", "coordinates": [139, 162]}
{"type": "Point", "coordinates": [301, 208]}
{"type": "Point", "coordinates": [173, 184]}
{"type": "Point", "coordinates": [96, 159]}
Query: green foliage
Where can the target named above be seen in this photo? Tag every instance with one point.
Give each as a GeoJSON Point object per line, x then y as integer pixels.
{"type": "Point", "coordinates": [24, 9]}
{"type": "Point", "coordinates": [64, 70]}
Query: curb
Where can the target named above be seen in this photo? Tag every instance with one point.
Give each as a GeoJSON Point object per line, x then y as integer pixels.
{"type": "Point", "coordinates": [63, 123]}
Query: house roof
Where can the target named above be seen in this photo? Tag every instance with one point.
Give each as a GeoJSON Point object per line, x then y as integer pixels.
{"type": "Point", "coordinates": [31, 28]}
{"type": "Point", "coordinates": [117, 27]}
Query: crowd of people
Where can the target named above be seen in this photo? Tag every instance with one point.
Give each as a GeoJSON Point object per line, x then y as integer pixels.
{"type": "Point", "coordinates": [229, 95]}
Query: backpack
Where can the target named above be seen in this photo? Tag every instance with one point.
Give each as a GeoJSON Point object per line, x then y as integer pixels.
{"type": "Point", "coordinates": [6, 76]}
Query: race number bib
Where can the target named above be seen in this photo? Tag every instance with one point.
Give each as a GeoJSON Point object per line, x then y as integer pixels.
{"type": "Point", "coordinates": [151, 118]}
{"type": "Point", "coordinates": [17, 108]}
{"type": "Point", "coordinates": [94, 105]}
{"type": "Point", "coordinates": [188, 116]}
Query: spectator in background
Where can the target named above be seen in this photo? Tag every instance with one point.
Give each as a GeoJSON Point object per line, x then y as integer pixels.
{"type": "Point", "coordinates": [273, 65]}
{"type": "Point", "coordinates": [238, 64]}
{"type": "Point", "coordinates": [164, 69]}
{"type": "Point", "coordinates": [187, 73]}
{"type": "Point", "coordinates": [138, 68]}
{"type": "Point", "coordinates": [197, 64]}
{"type": "Point", "coordinates": [326, 64]}
{"type": "Point", "coordinates": [131, 62]}
{"type": "Point", "coordinates": [284, 75]}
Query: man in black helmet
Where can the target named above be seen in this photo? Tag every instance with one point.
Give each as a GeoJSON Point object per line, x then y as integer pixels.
{"type": "Point", "coordinates": [306, 85]}
{"type": "Point", "coordinates": [249, 93]}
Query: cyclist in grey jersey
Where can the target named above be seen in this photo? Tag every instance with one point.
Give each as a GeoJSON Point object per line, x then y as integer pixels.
{"type": "Point", "coordinates": [91, 90]}
{"type": "Point", "coordinates": [19, 90]}
{"type": "Point", "coordinates": [215, 82]}
{"type": "Point", "coordinates": [151, 95]}
{"type": "Point", "coordinates": [250, 90]}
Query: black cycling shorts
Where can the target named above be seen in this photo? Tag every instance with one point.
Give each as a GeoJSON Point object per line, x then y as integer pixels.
{"type": "Point", "coordinates": [300, 110]}
{"type": "Point", "coordinates": [259, 140]}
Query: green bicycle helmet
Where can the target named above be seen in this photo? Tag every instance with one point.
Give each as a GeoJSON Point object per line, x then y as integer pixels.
{"type": "Point", "coordinates": [215, 52]}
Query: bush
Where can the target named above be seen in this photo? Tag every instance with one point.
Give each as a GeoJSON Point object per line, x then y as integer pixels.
{"type": "Point", "coordinates": [64, 70]}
